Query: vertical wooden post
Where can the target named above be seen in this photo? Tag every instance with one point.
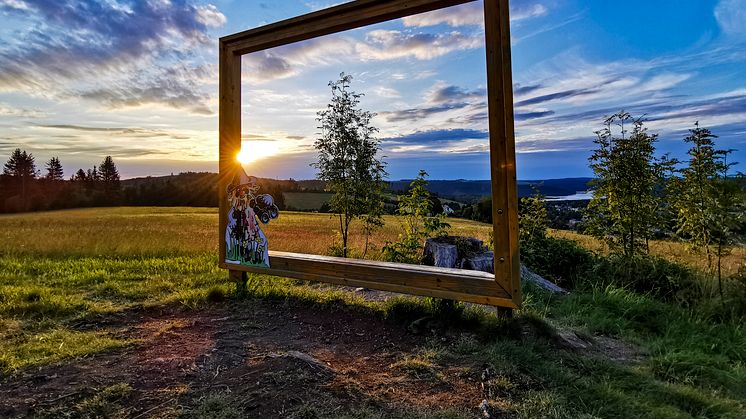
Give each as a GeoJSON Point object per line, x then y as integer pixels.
{"type": "Point", "coordinates": [230, 134]}
{"type": "Point", "coordinates": [502, 146]}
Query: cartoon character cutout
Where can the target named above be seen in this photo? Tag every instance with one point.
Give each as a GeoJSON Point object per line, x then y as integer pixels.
{"type": "Point", "coordinates": [245, 241]}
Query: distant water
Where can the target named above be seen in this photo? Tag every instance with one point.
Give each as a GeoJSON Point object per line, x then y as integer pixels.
{"type": "Point", "coordinates": [577, 196]}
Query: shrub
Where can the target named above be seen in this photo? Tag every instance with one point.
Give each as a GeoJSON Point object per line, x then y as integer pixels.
{"type": "Point", "coordinates": [648, 275]}
{"type": "Point", "coordinates": [562, 260]}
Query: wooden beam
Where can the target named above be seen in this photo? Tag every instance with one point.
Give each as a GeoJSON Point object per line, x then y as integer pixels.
{"type": "Point", "coordinates": [458, 284]}
{"type": "Point", "coordinates": [328, 21]}
{"type": "Point", "coordinates": [502, 147]}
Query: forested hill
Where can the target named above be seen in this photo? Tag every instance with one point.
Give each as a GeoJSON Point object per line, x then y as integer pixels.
{"type": "Point", "coordinates": [199, 189]}
{"type": "Point", "coordinates": [472, 190]}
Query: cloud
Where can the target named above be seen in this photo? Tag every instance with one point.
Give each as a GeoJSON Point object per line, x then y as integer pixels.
{"type": "Point", "coordinates": [378, 45]}
{"type": "Point", "coordinates": [437, 136]}
{"type": "Point", "coordinates": [525, 116]}
{"type": "Point", "coordinates": [416, 114]}
{"type": "Point", "coordinates": [14, 5]}
{"type": "Point", "coordinates": [14, 111]}
{"type": "Point", "coordinates": [519, 90]}
{"type": "Point", "coordinates": [472, 14]}
{"type": "Point", "coordinates": [731, 16]}
{"type": "Point", "coordinates": [288, 60]}
{"type": "Point", "coordinates": [443, 93]}
{"type": "Point", "coordinates": [554, 96]}
{"type": "Point", "coordinates": [386, 92]}
{"type": "Point", "coordinates": [174, 88]}
{"type": "Point", "coordinates": [79, 42]}
{"type": "Point", "coordinates": [391, 44]}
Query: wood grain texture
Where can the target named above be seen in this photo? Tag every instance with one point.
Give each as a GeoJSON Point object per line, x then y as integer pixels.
{"type": "Point", "coordinates": [346, 16]}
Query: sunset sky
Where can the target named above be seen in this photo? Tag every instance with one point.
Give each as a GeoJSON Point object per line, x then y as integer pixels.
{"type": "Point", "coordinates": [137, 80]}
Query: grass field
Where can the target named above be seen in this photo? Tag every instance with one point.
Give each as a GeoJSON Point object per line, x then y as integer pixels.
{"type": "Point", "coordinates": [67, 276]}
{"type": "Point", "coordinates": [673, 251]}
{"type": "Point", "coordinates": [306, 201]}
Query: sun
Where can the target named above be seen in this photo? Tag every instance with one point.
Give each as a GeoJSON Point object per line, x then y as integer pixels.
{"type": "Point", "coordinates": [252, 151]}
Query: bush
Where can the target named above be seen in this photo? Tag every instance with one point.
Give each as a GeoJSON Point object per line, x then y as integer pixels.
{"type": "Point", "coordinates": [648, 275]}
{"type": "Point", "coordinates": [561, 260]}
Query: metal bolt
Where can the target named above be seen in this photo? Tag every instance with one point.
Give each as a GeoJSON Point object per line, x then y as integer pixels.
{"type": "Point", "coordinates": [500, 211]}
{"type": "Point", "coordinates": [502, 259]}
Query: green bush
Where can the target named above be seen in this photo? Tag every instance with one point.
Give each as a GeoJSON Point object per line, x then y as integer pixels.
{"type": "Point", "coordinates": [666, 280]}
{"type": "Point", "coordinates": [561, 260]}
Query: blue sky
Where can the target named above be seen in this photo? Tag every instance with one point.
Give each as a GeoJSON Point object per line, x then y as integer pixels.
{"type": "Point", "coordinates": [137, 80]}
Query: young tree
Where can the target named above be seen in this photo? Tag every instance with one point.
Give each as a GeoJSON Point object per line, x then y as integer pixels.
{"type": "Point", "coordinates": [348, 156]}
{"type": "Point", "coordinates": [625, 207]}
{"type": "Point", "coordinates": [54, 169]}
{"type": "Point", "coordinates": [709, 205]}
{"type": "Point", "coordinates": [695, 189]}
{"type": "Point", "coordinates": [420, 222]}
{"type": "Point", "coordinates": [373, 220]}
{"type": "Point", "coordinates": [533, 221]}
{"type": "Point", "coordinates": [21, 170]}
{"type": "Point", "coordinates": [729, 217]}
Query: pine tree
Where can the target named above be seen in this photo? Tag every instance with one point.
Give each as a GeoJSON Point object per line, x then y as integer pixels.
{"type": "Point", "coordinates": [92, 175]}
{"type": "Point", "coordinates": [109, 174]}
{"type": "Point", "coordinates": [348, 157]}
{"type": "Point", "coordinates": [21, 170]}
{"type": "Point", "coordinates": [20, 165]}
{"type": "Point", "coordinates": [80, 176]}
{"type": "Point", "coordinates": [54, 169]}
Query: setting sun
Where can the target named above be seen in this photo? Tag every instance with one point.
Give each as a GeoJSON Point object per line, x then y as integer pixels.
{"type": "Point", "coordinates": [252, 151]}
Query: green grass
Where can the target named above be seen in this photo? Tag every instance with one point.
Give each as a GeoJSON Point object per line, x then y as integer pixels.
{"type": "Point", "coordinates": [66, 268]}
{"type": "Point", "coordinates": [306, 201]}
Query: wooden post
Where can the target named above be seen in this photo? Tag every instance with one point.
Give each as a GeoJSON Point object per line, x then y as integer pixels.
{"type": "Point", "coordinates": [502, 147]}
{"type": "Point", "coordinates": [230, 132]}
{"type": "Point", "coordinates": [240, 278]}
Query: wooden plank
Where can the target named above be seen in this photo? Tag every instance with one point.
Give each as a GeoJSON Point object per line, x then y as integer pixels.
{"type": "Point", "coordinates": [473, 286]}
{"type": "Point", "coordinates": [229, 132]}
{"type": "Point", "coordinates": [328, 21]}
{"type": "Point", "coordinates": [502, 147]}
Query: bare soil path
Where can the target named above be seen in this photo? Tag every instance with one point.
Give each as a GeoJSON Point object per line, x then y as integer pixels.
{"type": "Point", "coordinates": [267, 359]}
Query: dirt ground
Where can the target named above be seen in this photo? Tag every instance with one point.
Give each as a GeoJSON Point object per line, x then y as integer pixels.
{"type": "Point", "coordinates": [268, 359]}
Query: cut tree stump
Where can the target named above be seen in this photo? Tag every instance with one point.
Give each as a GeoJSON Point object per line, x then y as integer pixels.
{"type": "Point", "coordinates": [471, 254]}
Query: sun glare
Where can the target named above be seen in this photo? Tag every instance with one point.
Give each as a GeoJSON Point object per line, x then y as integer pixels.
{"type": "Point", "coordinates": [252, 151]}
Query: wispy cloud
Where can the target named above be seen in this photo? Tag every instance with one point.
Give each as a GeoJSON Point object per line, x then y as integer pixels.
{"type": "Point", "coordinates": [731, 15]}
{"type": "Point", "coordinates": [391, 44]}
{"type": "Point", "coordinates": [472, 14]}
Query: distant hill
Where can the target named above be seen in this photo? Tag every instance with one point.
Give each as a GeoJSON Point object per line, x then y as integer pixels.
{"type": "Point", "coordinates": [199, 189]}
{"type": "Point", "coordinates": [472, 190]}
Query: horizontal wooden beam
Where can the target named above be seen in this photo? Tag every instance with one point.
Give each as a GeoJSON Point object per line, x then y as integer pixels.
{"type": "Point", "coordinates": [328, 21]}
{"type": "Point", "coordinates": [458, 284]}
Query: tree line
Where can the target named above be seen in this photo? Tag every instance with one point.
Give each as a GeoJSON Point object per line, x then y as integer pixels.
{"type": "Point", "coordinates": [23, 187]}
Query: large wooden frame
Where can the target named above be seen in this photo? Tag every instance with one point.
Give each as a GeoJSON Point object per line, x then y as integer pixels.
{"type": "Point", "coordinates": [501, 289]}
